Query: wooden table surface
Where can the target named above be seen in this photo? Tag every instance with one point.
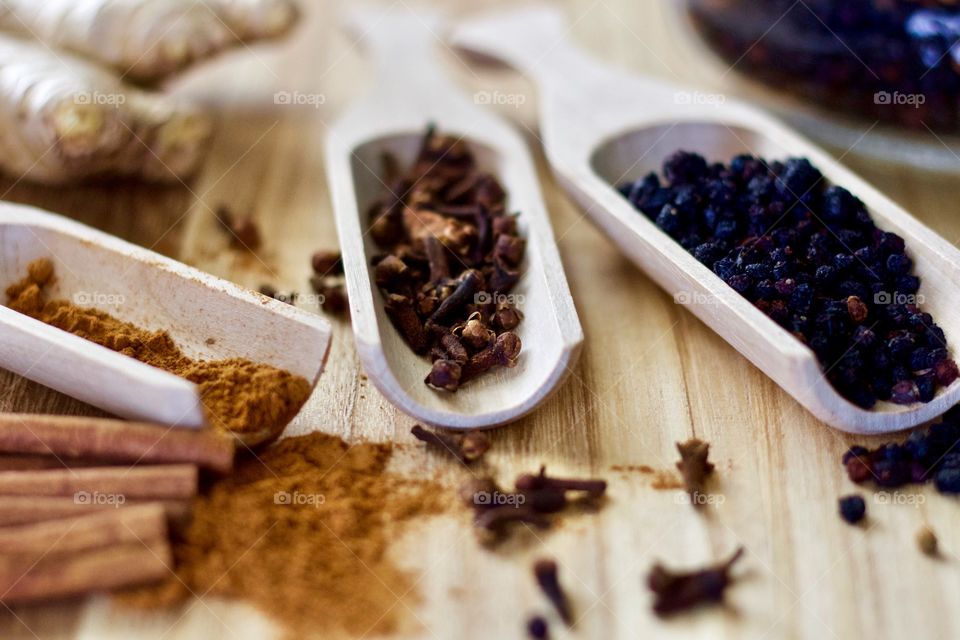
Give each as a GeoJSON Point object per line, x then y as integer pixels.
{"type": "Point", "coordinates": [650, 375]}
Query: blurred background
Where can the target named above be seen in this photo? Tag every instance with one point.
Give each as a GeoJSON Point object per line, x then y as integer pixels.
{"type": "Point", "coordinates": [874, 81]}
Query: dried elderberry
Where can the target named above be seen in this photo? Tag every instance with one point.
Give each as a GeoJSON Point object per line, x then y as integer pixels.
{"type": "Point", "coordinates": [853, 509]}
{"type": "Point", "coordinates": [927, 454]}
{"type": "Point", "coordinates": [810, 257]}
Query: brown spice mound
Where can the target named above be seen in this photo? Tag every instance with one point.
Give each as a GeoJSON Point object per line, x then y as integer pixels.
{"type": "Point", "coordinates": [239, 395]}
{"type": "Point", "coordinates": [303, 533]}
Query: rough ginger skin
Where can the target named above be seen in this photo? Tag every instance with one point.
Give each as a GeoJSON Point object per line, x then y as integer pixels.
{"type": "Point", "coordinates": [63, 120]}
{"type": "Point", "coordinates": [146, 40]}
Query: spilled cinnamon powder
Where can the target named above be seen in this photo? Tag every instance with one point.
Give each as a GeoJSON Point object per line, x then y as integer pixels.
{"type": "Point", "coordinates": [303, 533]}
{"type": "Point", "coordinates": [238, 395]}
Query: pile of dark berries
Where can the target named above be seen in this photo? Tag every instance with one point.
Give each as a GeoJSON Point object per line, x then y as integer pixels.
{"type": "Point", "coordinates": [895, 61]}
{"type": "Point", "coordinates": [809, 256]}
{"type": "Point", "coordinates": [932, 453]}
{"type": "Point", "coordinates": [452, 254]}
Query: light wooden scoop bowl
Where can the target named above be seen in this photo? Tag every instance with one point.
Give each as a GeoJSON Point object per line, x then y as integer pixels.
{"type": "Point", "coordinates": [602, 127]}
{"type": "Point", "coordinates": [411, 91]}
{"type": "Point", "coordinates": [208, 318]}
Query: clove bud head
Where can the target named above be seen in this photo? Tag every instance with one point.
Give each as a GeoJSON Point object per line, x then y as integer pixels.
{"type": "Point", "coordinates": [445, 374]}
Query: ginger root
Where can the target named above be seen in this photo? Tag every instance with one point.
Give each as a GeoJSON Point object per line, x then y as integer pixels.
{"type": "Point", "coordinates": [66, 112]}
{"type": "Point", "coordinates": [64, 120]}
{"type": "Point", "coordinates": [146, 40]}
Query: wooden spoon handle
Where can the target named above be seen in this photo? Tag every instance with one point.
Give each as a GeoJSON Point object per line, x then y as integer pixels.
{"type": "Point", "coordinates": [403, 44]}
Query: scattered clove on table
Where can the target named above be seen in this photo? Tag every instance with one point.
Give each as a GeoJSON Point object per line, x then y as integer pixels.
{"type": "Point", "coordinates": [695, 468]}
{"type": "Point", "coordinates": [548, 578]}
{"type": "Point", "coordinates": [244, 232]}
{"type": "Point", "coordinates": [537, 497]}
{"type": "Point", "coordinates": [328, 281]}
{"type": "Point", "coordinates": [452, 255]}
{"type": "Point", "coordinates": [468, 447]}
{"type": "Point", "coordinates": [678, 591]}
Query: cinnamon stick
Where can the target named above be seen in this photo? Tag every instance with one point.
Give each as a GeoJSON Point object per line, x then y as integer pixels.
{"type": "Point", "coordinates": [18, 510]}
{"type": "Point", "coordinates": [33, 462]}
{"type": "Point", "coordinates": [114, 441]}
{"type": "Point", "coordinates": [87, 532]}
{"type": "Point", "coordinates": [24, 579]}
{"type": "Point", "coordinates": [106, 485]}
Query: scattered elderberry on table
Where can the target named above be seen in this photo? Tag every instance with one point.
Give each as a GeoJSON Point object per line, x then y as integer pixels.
{"type": "Point", "coordinates": [810, 257]}
{"type": "Point", "coordinates": [538, 629]}
{"type": "Point", "coordinates": [927, 454]}
{"type": "Point", "coordinates": [853, 508]}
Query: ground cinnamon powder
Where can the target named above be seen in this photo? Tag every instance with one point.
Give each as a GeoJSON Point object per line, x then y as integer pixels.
{"type": "Point", "coordinates": [302, 532]}
{"type": "Point", "coordinates": [238, 395]}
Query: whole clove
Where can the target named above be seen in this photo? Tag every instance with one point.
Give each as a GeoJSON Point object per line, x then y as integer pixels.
{"type": "Point", "coordinates": [453, 349]}
{"type": "Point", "coordinates": [695, 468]}
{"type": "Point", "coordinates": [536, 497]}
{"type": "Point", "coordinates": [244, 232]}
{"type": "Point", "coordinates": [451, 254]}
{"type": "Point", "coordinates": [679, 591]}
{"type": "Point", "coordinates": [468, 447]}
{"type": "Point", "coordinates": [506, 317]}
{"type": "Point", "coordinates": [328, 281]}
{"type": "Point", "coordinates": [502, 353]}
{"type": "Point", "coordinates": [475, 334]}
{"type": "Point", "coordinates": [467, 287]}
{"type": "Point", "coordinates": [445, 374]}
{"type": "Point", "coordinates": [546, 573]}
{"type": "Point", "coordinates": [326, 263]}
{"type": "Point", "coordinates": [402, 313]}
{"type": "Point", "coordinates": [531, 484]}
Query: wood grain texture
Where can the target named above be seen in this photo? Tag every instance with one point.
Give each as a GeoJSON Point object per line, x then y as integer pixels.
{"type": "Point", "coordinates": [650, 374]}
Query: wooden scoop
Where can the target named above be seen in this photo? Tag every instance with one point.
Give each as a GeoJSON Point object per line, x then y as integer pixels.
{"type": "Point", "coordinates": [208, 318]}
{"type": "Point", "coordinates": [411, 91]}
{"type": "Point", "coordinates": [602, 127]}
